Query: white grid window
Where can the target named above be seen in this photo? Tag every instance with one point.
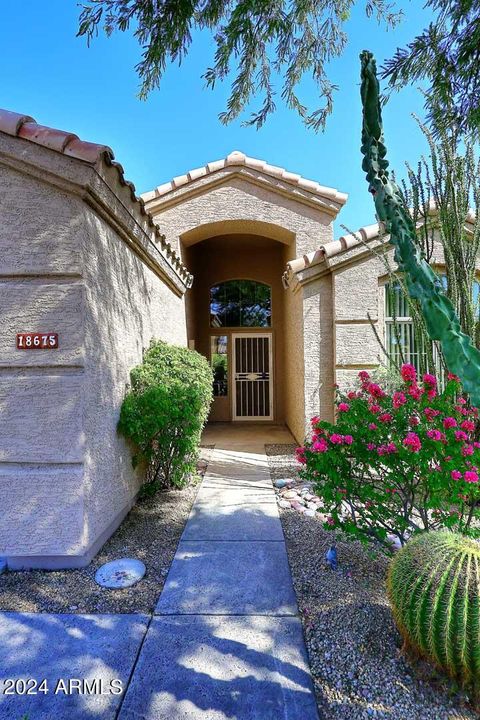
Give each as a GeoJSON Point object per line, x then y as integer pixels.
{"type": "Point", "coordinates": [401, 342]}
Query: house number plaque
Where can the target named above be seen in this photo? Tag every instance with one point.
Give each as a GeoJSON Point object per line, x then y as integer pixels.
{"type": "Point", "coordinates": [37, 341]}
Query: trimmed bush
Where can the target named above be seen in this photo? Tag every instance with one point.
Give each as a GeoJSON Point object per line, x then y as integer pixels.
{"type": "Point", "coordinates": [434, 589]}
{"type": "Point", "coordinates": [165, 410]}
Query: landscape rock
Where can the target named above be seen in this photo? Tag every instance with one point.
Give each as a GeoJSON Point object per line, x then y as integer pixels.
{"type": "Point", "coordinates": [352, 642]}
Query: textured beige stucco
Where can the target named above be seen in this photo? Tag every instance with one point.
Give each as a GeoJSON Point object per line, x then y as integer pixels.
{"type": "Point", "coordinates": [31, 243]}
{"type": "Point", "coordinates": [319, 348]}
{"type": "Point", "coordinates": [76, 258]}
{"type": "Point", "coordinates": [231, 198]}
{"type": "Point", "coordinates": [126, 306]}
{"type": "Point", "coordinates": [294, 366]}
{"type": "Point", "coordinates": [356, 344]}
{"type": "Point", "coordinates": [246, 203]}
{"type": "Point", "coordinates": [44, 508]}
{"type": "Point", "coordinates": [49, 305]}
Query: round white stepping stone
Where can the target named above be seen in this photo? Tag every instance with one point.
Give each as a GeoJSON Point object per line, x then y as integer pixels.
{"type": "Point", "coordinates": [121, 573]}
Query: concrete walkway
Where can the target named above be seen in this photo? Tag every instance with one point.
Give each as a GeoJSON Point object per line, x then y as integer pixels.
{"type": "Point", "coordinates": [225, 642]}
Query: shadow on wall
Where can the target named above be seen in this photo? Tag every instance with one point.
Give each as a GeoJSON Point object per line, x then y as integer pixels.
{"type": "Point", "coordinates": [66, 473]}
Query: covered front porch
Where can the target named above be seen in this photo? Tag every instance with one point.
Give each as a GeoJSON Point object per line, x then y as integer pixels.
{"type": "Point", "coordinates": [236, 223]}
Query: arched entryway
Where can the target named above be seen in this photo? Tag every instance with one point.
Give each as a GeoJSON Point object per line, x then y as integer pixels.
{"type": "Point", "coordinates": [240, 218]}
{"type": "Point", "coordinates": [235, 317]}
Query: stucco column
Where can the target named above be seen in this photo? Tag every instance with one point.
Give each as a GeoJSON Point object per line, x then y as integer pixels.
{"type": "Point", "coordinates": [318, 349]}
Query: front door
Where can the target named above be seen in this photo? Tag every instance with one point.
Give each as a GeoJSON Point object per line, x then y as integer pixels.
{"type": "Point", "coordinates": [252, 376]}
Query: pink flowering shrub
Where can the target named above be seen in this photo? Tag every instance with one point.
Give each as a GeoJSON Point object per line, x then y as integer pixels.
{"type": "Point", "coordinates": [396, 464]}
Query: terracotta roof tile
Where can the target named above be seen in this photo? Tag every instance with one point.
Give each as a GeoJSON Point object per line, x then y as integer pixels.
{"type": "Point", "coordinates": [11, 122]}
{"type": "Point", "coordinates": [25, 127]}
{"type": "Point", "coordinates": [331, 249]}
{"type": "Point", "coordinates": [237, 158]}
{"type": "Point", "coordinates": [69, 144]}
{"type": "Point", "coordinates": [344, 243]}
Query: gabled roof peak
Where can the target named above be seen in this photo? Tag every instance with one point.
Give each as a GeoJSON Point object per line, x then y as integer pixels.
{"type": "Point", "coordinates": [238, 158]}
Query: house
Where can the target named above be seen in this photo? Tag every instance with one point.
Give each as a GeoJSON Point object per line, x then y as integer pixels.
{"type": "Point", "coordinates": [237, 259]}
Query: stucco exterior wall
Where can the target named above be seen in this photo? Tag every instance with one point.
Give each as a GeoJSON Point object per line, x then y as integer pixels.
{"type": "Point", "coordinates": [319, 349]}
{"type": "Point", "coordinates": [359, 279]}
{"type": "Point", "coordinates": [232, 198]}
{"type": "Point", "coordinates": [311, 326]}
{"type": "Point", "coordinates": [294, 366]}
{"type": "Point", "coordinates": [75, 259]}
{"type": "Point", "coordinates": [126, 305]}
{"type": "Point", "coordinates": [41, 391]}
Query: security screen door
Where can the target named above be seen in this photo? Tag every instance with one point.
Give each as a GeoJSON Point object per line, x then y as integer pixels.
{"type": "Point", "coordinates": [252, 373]}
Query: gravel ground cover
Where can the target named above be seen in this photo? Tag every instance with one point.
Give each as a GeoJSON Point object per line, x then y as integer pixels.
{"type": "Point", "coordinates": [357, 664]}
{"type": "Point", "coordinates": [150, 532]}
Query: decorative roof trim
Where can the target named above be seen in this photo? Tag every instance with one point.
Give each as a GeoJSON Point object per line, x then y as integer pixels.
{"type": "Point", "coordinates": [236, 159]}
{"type": "Point", "coordinates": [343, 244]}
{"type": "Point", "coordinates": [331, 249]}
{"type": "Point", "coordinates": [70, 145]}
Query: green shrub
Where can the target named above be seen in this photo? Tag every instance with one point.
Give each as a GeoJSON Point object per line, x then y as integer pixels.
{"type": "Point", "coordinates": [434, 589]}
{"type": "Point", "coordinates": [165, 410]}
{"type": "Point", "coordinates": [397, 463]}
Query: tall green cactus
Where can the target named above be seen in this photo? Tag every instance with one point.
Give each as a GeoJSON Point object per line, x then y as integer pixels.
{"type": "Point", "coordinates": [461, 356]}
{"type": "Point", "coordinates": [434, 590]}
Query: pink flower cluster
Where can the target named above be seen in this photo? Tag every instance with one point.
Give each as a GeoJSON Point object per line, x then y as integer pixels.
{"type": "Point", "coordinates": [449, 422]}
{"type": "Point", "coordinates": [436, 435]}
{"type": "Point", "coordinates": [399, 399]}
{"type": "Point", "coordinates": [408, 373]}
{"type": "Point", "coordinates": [320, 445]}
{"type": "Point", "coordinates": [300, 455]}
{"type": "Point", "coordinates": [470, 476]}
{"type": "Point", "coordinates": [388, 449]}
{"type": "Point", "coordinates": [431, 414]}
{"type": "Point", "coordinates": [412, 442]}
{"type": "Point", "coordinates": [375, 390]}
{"type": "Point", "coordinates": [337, 439]}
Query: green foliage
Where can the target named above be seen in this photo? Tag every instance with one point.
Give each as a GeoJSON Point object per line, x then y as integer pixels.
{"type": "Point", "coordinates": [397, 463]}
{"type": "Point", "coordinates": [460, 354]}
{"type": "Point", "coordinates": [447, 54]}
{"type": "Point", "coordinates": [260, 39]}
{"type": "Point", "coordinates": [164, 411]}
{"type": "Point", "coordinates": [434, 590]}
{"type": "Point", "coordinates": [444, 195]}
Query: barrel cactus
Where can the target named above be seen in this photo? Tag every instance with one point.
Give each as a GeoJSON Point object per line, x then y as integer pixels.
{"type": "Point", "coordinates": [434, 590]}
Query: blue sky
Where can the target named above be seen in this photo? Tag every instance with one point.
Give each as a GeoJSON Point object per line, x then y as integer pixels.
{"type": "Point", "coordinates": [50, 74]}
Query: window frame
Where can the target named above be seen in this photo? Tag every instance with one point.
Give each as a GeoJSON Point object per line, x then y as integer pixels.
{"type": "Point", "coordinates": [220, 328]}
{"type": "Point", "coordinates": [227, 354]}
